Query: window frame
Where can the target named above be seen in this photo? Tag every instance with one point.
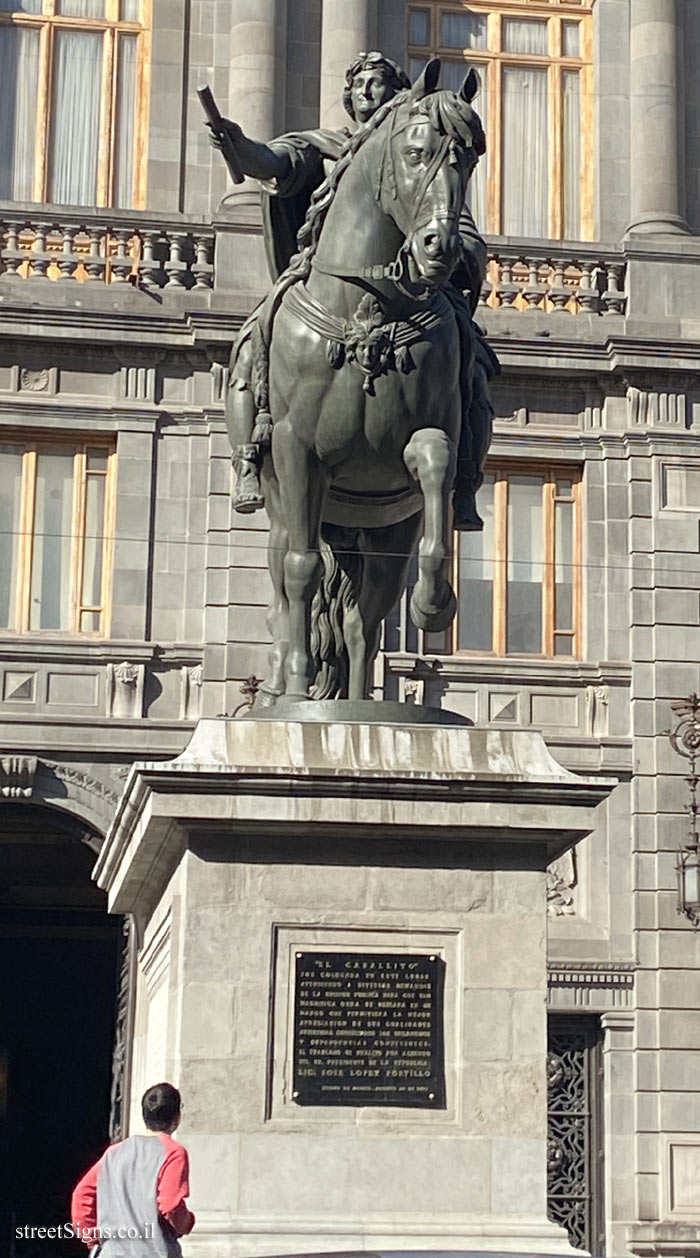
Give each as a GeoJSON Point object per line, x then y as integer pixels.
{"type": "Point", "coordinates": [501, 470]}
{"type": "Point", "coordinates": [555, 12]}
{"type": "Point", "coordinates": [48, 23]}
{"type": "Point", "coordinates": [21, 596]}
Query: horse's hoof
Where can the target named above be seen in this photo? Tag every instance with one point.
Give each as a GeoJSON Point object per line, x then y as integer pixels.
{"type": "Point", "coordinates": [433, 619]}
{"type": "Point", "coordinates": [266, 698]}
{"type": "Point", "coordinates": [297, 691]}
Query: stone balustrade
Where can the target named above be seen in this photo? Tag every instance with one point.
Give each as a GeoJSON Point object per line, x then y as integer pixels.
{"type": "Point", "coordinates": [105, 247]}
{"type": "Point", "coordinates": [143, 249]}
{"type": "Point", "coordinates": [566, 278]}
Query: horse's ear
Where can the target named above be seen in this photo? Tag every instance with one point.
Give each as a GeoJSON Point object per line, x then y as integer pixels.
{"type": "Point", "coordinates": [470, 86]}
{"type": "Point", "coordinates": [428, 80]}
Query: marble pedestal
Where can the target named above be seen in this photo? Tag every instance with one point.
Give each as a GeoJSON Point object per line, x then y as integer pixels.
{"type": "Point", "coordinates": [269, 838]}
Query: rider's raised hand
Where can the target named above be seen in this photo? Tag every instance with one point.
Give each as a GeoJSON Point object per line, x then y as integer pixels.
{"type": "Point", "coordinates": [227, 133]}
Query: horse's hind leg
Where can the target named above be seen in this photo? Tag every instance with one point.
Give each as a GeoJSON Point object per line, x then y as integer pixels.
{"type": "Point", "coordinates": [430, 457]}
{"type": "Point", "coordinates": [303, 481]}
{"type": "Point", "coordinates": [278, 610]}
{"type": "Point", "coordinates": [387, 553]}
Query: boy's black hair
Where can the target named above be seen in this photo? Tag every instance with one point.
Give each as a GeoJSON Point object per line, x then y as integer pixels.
{"type": "Point", "coordinates": [160, 1106]}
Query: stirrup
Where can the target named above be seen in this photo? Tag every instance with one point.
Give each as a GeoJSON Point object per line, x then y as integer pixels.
{"type": "Point", "coordinates": [247, 496]}
{"type": "Point", "coordinates": [247, 501]}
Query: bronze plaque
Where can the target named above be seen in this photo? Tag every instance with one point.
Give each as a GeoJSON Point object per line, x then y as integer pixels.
{"type": "Point", "coordinates": [368, 1029]}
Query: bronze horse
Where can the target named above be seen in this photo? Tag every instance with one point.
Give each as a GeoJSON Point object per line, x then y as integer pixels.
{"type": "Point", "coordinates": [368, 370]}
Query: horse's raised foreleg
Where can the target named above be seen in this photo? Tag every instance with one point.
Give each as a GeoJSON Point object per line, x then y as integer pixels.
{"type": "Point", "coordinates": [303, 481]}
{"type": "Point", "coordinates": [430, 457]}
{"type": "Point", "coordinates": [278, 610]}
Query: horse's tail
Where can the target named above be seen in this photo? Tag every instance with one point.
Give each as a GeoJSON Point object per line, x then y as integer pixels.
{"type": "Point", "coordinates": [336, 598]}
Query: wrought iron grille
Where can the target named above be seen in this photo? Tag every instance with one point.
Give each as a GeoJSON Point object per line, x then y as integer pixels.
{"type": "Point", "coordinates": [123, 1033]}
{"type": "Point", "coordinates": [574, 1146]}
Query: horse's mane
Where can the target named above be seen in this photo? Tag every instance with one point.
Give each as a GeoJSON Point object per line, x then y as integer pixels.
{"type": "Point", "coordinates": [452, 115]}
{"type": "Point", "coordinates": [322, 199]}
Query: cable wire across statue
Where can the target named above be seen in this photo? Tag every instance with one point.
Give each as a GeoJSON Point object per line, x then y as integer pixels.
{"type": "Point", "coordinates": [358, 405]}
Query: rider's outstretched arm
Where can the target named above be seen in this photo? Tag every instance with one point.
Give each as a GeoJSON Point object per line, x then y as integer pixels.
{"type": "Point", "coordinates": [260, 161]}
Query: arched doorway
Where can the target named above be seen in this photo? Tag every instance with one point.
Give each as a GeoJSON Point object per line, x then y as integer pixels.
{"type": "Point", "coordinates": [60, 955]}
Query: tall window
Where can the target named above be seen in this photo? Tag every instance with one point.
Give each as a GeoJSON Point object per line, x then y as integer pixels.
{"type": "Point", "coordinates": [518, 582]}
{"type": "Point", "coordinates": [55, 536]}
{"type": "Point", "coordinates": [73, 101]}
{"type": "Point", "coordinates": [534, 61]}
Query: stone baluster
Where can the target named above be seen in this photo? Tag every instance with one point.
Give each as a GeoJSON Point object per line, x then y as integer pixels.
{"type": "Point", "coordinates": [12, 255]}
{"type": "Point", "coordinates": [174, 266]}
{"type": "Point", "coordinates": [202, 267]}
{"type": "Point", "coordinates": [150, 269]}
{"type": "Point", "coordinates": [121, 264]}
{"type": "Point", "coordinates": [95, 263]}
{"type": "Point", "coordinates": [507, 290]}
{"type": "Point", "coordinates": [347, 28]}
{"type": "Point", "coordinates": [587, 293]}
{"type": "Point", "coordinates": [613, 298]}
{"type": "Point", "coordinates": [533, 291]}
{"type": "Point", "coordinates": [559, 294]}
{"type": "Point", "coordinates": [39, 256]}
{"type": "Point", "coordinates": [655, 127]}
{"type": "Point", "coordinates": [66, 260]}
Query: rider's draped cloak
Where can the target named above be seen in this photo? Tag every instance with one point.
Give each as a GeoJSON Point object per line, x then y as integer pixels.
{"type": "Point", "coordinates": [286, 201]}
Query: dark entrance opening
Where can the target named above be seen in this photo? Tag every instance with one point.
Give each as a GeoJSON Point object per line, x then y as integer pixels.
{"type": "Point", "coordinates": [58, 973]}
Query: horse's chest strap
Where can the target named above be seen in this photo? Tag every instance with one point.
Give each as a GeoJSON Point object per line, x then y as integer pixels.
{"type": "Point", "coordinates": [367, 341]}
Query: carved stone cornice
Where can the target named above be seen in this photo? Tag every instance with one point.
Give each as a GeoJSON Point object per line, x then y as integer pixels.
{"type": "Point", "coordinates": [590, 984]}
{"type": "Point", "coordinates": [75, 777]}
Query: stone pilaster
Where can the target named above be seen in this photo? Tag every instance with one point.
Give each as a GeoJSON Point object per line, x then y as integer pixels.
{"type": "Point", "coordinates": [348, 27]}
{"type": "Point", "coordinates": [655, 126]}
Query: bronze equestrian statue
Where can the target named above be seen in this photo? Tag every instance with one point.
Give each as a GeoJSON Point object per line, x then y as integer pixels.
{"type": "Point", "coordinates": [362, 366]}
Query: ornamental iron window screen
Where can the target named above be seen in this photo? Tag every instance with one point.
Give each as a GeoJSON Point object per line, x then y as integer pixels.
{"type": "Point", "coordinates": [575, 1130]}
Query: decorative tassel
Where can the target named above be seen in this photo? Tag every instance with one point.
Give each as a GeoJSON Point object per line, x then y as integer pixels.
{"type": "Point", "coordinates": [404, 360]}
{"type": "Point", "coordinates": [262, 433]}
{"type": "Point", "coordinates": [335, 353]}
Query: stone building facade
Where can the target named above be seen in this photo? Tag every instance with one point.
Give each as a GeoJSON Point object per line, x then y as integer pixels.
{"type": "Point", "coordinates": [131, 603]}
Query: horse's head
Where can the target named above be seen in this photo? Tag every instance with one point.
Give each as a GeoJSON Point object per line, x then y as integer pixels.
{"type": "Point", "coordinates": [434, 140]}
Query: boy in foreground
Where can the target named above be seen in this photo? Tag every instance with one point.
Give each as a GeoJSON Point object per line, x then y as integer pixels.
{"type": "Point", "coordinates": [131, 1203]}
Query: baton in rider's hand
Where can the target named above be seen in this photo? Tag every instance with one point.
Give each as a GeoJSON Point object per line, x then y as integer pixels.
{"type": "Point", "coordinates": [218, 128]}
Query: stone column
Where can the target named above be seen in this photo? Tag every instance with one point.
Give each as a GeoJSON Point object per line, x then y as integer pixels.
{"type": "Point", "coordinates": [256, 92]}
{"type": "Point", "coordinates": [257, 66]}
{"type": "Point", "coordinates": [347, 27]}
{"type": "Point", "coordinates": [655, 118]}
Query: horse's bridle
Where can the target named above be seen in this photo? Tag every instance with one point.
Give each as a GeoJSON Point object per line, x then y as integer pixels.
{"type": "Point", "coordinates": [398, 270]}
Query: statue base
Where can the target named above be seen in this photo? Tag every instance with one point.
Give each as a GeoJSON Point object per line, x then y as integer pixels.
{"type": "Point", "coordinates": [367, 711]}
{"type": "Point", "coordinates": [342, 964]}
